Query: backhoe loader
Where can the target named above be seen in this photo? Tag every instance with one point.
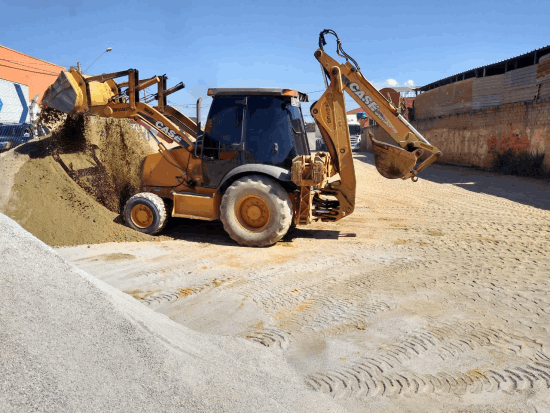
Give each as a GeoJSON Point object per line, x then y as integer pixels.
{"type": "Point", "coordinates": [251, 165]}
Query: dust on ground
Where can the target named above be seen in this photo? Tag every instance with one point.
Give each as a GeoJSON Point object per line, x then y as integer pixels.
{"type": "Point", "coordinates": [70, 188]}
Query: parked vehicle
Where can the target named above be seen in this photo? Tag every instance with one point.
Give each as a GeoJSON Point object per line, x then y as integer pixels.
{"type": "Point", "coordinates": [14, 134]}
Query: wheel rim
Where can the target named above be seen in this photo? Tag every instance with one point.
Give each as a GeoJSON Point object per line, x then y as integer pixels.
{"type": "Point", "coordinates": [253, 213]}
{"type": "Point", "coordinates": [142, 216]}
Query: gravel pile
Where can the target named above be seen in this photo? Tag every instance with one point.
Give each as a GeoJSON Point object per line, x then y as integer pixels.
{"type": "Point", "coordinates": [69, 342]}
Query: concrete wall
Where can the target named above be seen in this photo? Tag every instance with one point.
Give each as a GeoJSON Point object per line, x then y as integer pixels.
{"type": "Point", "coordinates": [476, 137]}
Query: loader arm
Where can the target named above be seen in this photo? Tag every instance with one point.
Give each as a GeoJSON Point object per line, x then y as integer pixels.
{"type": "Point", "coordinates": [330, 115]}
{"type": "Point", "coordinates": [74, 92]}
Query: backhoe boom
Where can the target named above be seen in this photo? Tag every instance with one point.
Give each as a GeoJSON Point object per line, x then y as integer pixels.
{"type": "Point", "coordinates": [330, 115]}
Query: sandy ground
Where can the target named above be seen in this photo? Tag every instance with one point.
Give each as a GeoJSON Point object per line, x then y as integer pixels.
{"type": "Point", "coordinates": [432, 296]}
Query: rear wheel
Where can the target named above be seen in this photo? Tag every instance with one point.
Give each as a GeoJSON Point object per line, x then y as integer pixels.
{"type": "Point", "coordinates": [256, 211]}
{"type": "Point", "coordinates": [145, 212]}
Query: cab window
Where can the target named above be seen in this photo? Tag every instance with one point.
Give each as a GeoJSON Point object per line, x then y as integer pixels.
{"type": "Point", "coordinates": [224, 125]}
{"type": "Point", "coordinates": [269, 136]}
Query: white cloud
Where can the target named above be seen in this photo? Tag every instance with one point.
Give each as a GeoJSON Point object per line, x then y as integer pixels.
{"type": "Point", "coordinates": [386, 83]}
{"type": "Point", "coordinates": [392, 83]}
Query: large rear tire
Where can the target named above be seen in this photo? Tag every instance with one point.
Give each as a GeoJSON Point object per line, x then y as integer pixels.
{"type": "Point", "coordinates": [146, 212]}
{"type": "Point", "coordinates": [256, 211]}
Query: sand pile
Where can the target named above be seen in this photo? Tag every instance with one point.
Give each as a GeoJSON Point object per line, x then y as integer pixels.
{"type": "Point", "coordinates": [72, 343]}
{"type": "Point", "coordinates": [69, 188]}
{"type": "Point", "coordinates": [103, 156]}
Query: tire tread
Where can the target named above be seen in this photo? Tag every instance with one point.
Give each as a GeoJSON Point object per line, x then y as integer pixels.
{"type": "Point", "coordinates": [282, 202]}
{"type": "Point", "coordinates": [159, 205]}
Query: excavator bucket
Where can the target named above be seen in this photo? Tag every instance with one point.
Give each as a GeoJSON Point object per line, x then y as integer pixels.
{"type": "Point", "coordinates": [393, 162]}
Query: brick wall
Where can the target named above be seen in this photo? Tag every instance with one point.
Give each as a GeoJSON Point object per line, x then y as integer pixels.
{"type": "Point", "coordinates": [477, 136]}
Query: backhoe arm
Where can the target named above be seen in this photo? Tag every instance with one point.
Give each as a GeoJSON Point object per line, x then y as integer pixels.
{"type": "Point", "coordinates": [330, 115]}
{"type": "Point", "coordinates": [391, 161]}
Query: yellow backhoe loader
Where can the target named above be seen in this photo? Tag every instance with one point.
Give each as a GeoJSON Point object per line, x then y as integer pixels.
{"type": "Point", "coordinates": [251, 165]}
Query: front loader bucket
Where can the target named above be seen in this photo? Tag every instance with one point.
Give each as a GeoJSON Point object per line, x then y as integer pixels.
{"type": "Point", "coordinates": [72, 92]}
{"type": "Point", "coordinates": [65, 94]}
{"type": "Point", "coordinates": [393, 162]}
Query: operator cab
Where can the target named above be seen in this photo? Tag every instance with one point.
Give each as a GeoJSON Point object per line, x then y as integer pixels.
{"type": "Point", "coordinates": [252, 126]}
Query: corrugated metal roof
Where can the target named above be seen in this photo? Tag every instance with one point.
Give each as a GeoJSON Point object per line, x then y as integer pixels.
{"type": "Point", "coordinates": [448, 79]}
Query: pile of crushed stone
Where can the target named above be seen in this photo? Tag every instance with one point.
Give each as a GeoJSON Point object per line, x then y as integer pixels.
{"type": "Point", "coordinates": [70, 188]}
{"type": "Point", "coordinates": [70, 342]}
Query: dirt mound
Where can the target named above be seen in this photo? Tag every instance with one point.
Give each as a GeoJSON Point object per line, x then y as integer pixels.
{"type": "Point", "coordinates": [74, 183]}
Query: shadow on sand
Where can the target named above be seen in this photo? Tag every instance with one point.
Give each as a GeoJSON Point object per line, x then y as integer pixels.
{"type": "Point", "coordinates": [212, 232]}
{"type": "Point", "coordinates": [527, 191]}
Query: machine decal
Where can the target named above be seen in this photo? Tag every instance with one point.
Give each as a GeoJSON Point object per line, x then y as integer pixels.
{"type": "Point", "coordinates": [157, 124]}
{"type": "Point", "coordinates": [373, 106]}
{"type": "Point", "coordinates": [165, 129]}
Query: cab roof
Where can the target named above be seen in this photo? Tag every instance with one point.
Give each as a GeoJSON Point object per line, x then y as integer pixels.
{"type": "Point", "coordinates": [254, 91]}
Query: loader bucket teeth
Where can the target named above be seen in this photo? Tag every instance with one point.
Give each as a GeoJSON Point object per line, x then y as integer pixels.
{"type": "Point", "coordinates": [393, 162]}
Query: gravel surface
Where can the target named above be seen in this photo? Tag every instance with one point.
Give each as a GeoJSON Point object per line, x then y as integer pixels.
{"type": "Point", "coordinates": [69, 342]}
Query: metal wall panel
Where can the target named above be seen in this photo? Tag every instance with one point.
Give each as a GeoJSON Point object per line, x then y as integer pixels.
{"type": "Point", "coordinates": [543, 69]}
{"type": "Point", "coordinates": [544, 91]}
{"type": "Point", "coordinates": [487, 101]}
{"type": "Point", "coordinates": [14, 102]}
{"type": "Point", "coordinates": [523, 77]}
{"type": "Point", "coordinates": [519, 85]}
{"type": "Point", "coordinates": [487, 86]}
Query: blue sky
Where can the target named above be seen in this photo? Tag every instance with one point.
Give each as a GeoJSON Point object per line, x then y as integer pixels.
{"type": "Point", "coordinates": [260, 43]}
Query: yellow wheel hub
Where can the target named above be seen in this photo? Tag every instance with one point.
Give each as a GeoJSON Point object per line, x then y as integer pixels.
{"type": "Point", "coordinates": [142, 216]}
{"type": "Point", "coordinates": [253, 213]}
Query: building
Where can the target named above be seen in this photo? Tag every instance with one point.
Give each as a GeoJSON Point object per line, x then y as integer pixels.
{"type": "Point", "coordinates": [363, 122]}
{"type": "Point", "coordinates": [23, 79]}
{"type": "Point", "coordinates": [492, 116]}
{"type": "Point", "coordinates": [399, 93]}
{"type": "Point", "coordinates": [35, 74]}
{"type": "Point", "coordinates": [522, 78]}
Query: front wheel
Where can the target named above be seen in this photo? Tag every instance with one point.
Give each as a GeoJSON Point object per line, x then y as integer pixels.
{"type": "Point", "coordinates": [145, 212]}
{"type": "Point", "coordinates": [256, 211]}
